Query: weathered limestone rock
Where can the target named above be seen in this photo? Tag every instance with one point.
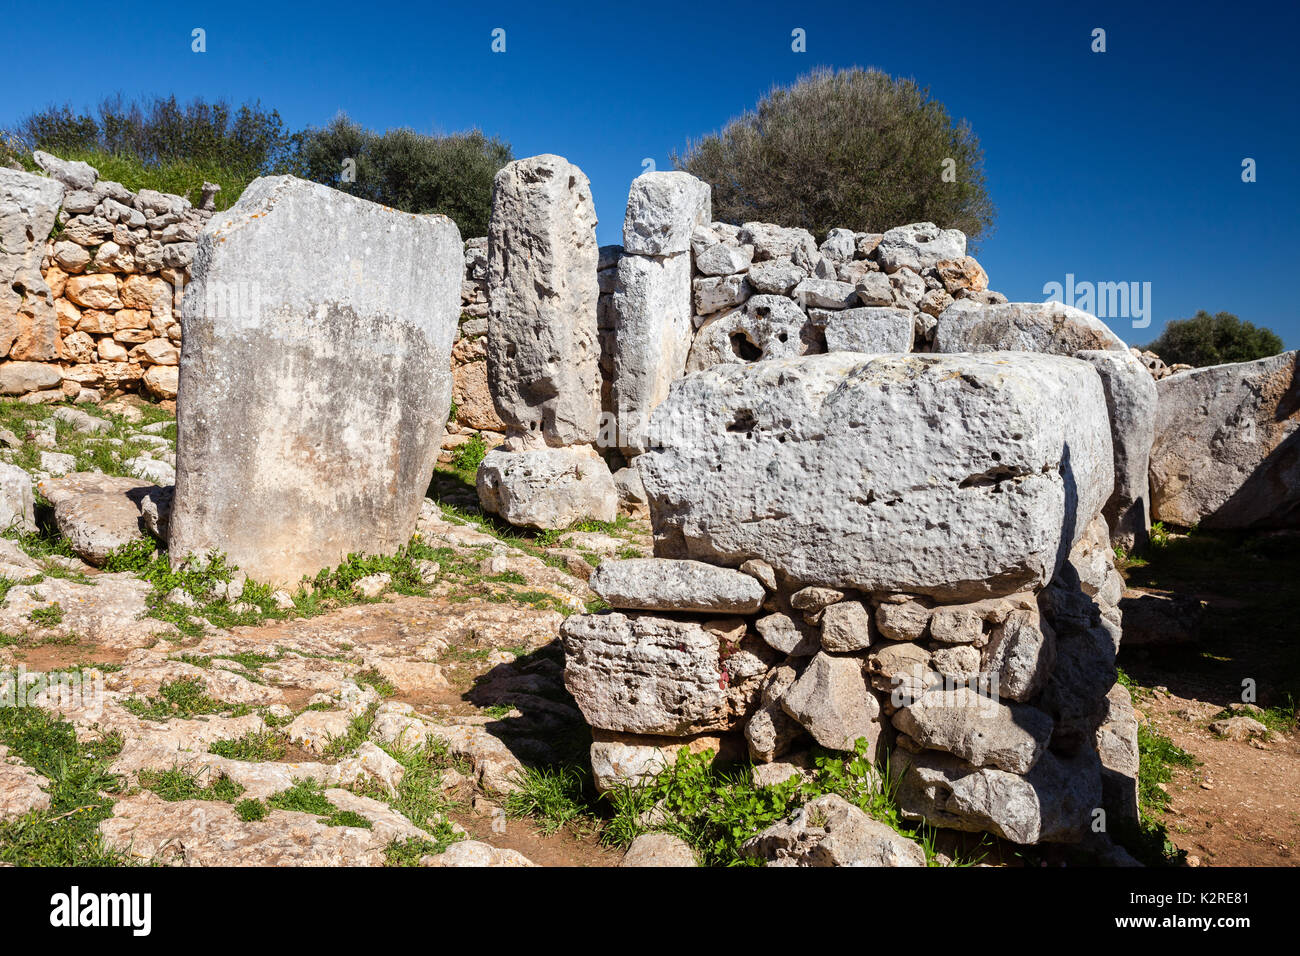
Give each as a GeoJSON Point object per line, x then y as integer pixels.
{"type": "Point", "coordinates": [99, 513]}
{"type": "Point", "coordinates": [866, 330]}
{"type": "Point", "coordinates": [1131, 401]}
{"type": "Point", "coordinates": [830, 831]}
{"type": "Point", "coordinates": [817, 466]}
{"type": "Point", "coordinates": [19, 378]}
{"type": "Point", "coordinates": [1226, 452]}
{"type": "Point", "coordinates": [979, 729]}
{"type": "Point", "coordinates": [29, 328]}
{"type": "Point", "coordinates": [547, 487]}
{"type": "Point", "coordinates": [1059, 329]}
{"type": "Point", "coordinates": [765, 327]}
{"type": "Point", "coordinates": [17, 505]}
{"type": "Point", "coordinates": [476, 854]}
{"type": "Point", "coordinates": [662, 584]}
{"type": "Point", "coordinates": [1053, 803]}
{"type": "Point", "coordinates": [639, 673]}
{"type": "Point", "coordinates": [659, 849]}
{"type": "Point", "coordinates": [323, 403]}
{"type": "Point", "coordinates": [22, 789]}
{"type": "Point", "coordinates": [619, 759]}
{"type": "Point", "coordinates": [73, 174]}
{"type": "Point", "coordinates": [832, 702]}
{"type": "Point", "coordinates": [1021, 651]}
{"type": "Point", "coordinates": [770, 732]}
{"type": "Point", "coordinates": [918, 246]}
{"type": "Point", "coordinates": [542, 342]}
{"type": "Point", "coordinates": [1051, 327]}
{"type": "Point", "coordinates": [1117, 748]}
{"type": "Point", "coordinates": [652, 301]}
{"type": "Point", "coordinates": [663, 209]}
{"type": "Point", "coordinates": [846, 627]}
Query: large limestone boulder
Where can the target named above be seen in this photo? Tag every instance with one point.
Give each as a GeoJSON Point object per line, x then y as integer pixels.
{"type": "Point", "coordinates": [1226, 452]}
{"type": "Point", "coordinates": [649, 674]}
{"type": "Point", "coordinates": [652, 305]}
{"type": "Point", "coordinates": [310, 413]}
{"type": "Point", "coordinates": [662, 584]}
{"type": "Point", "coordinates": [1060, 329]}
{"type": "Point", "coordinates": [543, 351]}
{"type": "Point", "coordinates": [954, 476]}
{"type": "Point", "coordinates": [547, 488]}
{"type": "Point", "coordinates": [29, 327]}
{"type": "Point", "coordinates": [1131, 400]}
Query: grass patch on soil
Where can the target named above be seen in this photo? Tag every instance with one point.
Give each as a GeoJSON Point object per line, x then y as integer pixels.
{"type": "Point", "coordinates": [81, 789]}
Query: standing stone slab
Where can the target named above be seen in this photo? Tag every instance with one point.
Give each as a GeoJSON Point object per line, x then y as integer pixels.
{"type": "Point", "coordinates": [315, 378]}
{"type": "Point", "coordinates": [1226, 452]}
{"type": "Point", "coordinates": [29, 328]}
{"type": "Point", "coordinates": [543, 350]}
{"type": "Point", "coordinates": [954, 476]}
{"type": "Point", "coordinates": [652, 302]}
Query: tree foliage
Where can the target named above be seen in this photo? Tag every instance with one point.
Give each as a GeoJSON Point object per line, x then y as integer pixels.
{"type": "Point", "coordinates": [1215, 339]}
{"type": "Point", "coordinates": [162, 144]}
{"type": "Point", "coordinates": [451, 175]}
{"type": "Point", "coordinates": [855, 149]}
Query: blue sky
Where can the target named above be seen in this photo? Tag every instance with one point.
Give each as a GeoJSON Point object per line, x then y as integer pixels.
{"type": "Point", "coordinates": [1123, 166]}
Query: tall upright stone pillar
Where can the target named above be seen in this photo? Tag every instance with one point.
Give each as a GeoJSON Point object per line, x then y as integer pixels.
{"type": "Point", "coordinates": [544, 349]}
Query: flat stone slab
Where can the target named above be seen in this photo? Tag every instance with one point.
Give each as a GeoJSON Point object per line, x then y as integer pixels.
{"type": "Point", "coordinates": [954, 476]}
{"type": "Point", "coordinates": [662, 584]}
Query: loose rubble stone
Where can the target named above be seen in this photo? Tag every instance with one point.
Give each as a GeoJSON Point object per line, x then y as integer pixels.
{"type": "Point", "coordinates": [98, 513]}
{"type": "Point", "coordinates": [832, 702]}
{"type": "Point", "coordinates": [1225, 452]}
{"type": "Point", "coordinates": [547, 487]}
{"type": "Point", "coordinates": [918, 246]}
{"type": "Point", "coordinates": [542, 344]}
{"type": "Point", "coordinates": [324, 404]}
{"type": "Point", "coordinates": [659, 849]}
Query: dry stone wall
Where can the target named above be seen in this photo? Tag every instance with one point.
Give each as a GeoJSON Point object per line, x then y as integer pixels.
{"type": "Point", "coordinates": [101, 272]}
{"type": "Point", "coordinates": [825, 573]}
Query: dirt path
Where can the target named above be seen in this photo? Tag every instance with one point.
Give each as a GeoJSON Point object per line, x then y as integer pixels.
{"type": "Point", "coordinates": [1240, 805]}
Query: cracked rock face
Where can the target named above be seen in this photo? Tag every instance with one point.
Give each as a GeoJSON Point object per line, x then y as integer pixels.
{"type": "Point", "coordinates": [1226, 452]}
{"type": "Point", "coordinates": [319, 399]}
{"type": "Point", "coordinates": [953, 476]}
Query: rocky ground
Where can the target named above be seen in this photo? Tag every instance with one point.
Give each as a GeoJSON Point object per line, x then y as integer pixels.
{"type": "Point", "coordinates": [411, 709]}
